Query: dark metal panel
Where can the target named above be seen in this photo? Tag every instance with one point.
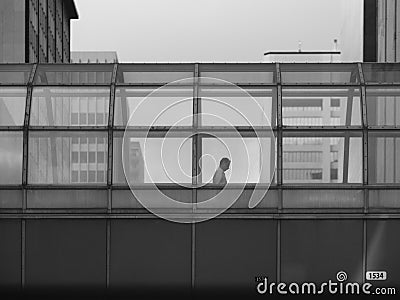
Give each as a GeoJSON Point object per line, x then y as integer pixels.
{"type": "Point", "coordinates": [315, 250]}
{"type": "Point", "coordinates": [148, 253]}
{"type": "Point", "coordinates": [65, 253]}
{"type": "Point", "coordinates": [383, 247]}
{"type": "Point", "coordinates": [230, 253]}
{"type": "Point", "coordinates": [10, 254]}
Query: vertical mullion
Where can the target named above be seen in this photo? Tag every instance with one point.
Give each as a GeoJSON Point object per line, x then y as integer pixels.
{"type": "Point", "coordinates": [28, 105]}
{"type": "Point", "coordinates": [278, 249]}
{"type": "Point", "coordinates": [279, 170]}
{"type": "Point", "coordinates": [62, 36]}
{"type": "Point", "coordinates": [365, 168]}
{"type": "Point", "coordinates": [108, 251]}
{"type": "Point", "coordinates": [110, 126]}
{"type": "Point", "coordinates": [364, 250]}
{"type": "Point", "coordinates": [195, 168]}
{"type": "Point", "coordinates": [23, 256]}
{"type": "Point", "coordinates": [38, 32]}
{"type": "Point", "coordinates": [386, 27]}
{"type": "Point", "coordinates": [196, 122]}
{"type": "Point", "coordinates": [193, 256]}
{"type": "Point", "coordinates": [47, 31]}
{"type": "Point", "coordinates": [110, 145]}
{"type": "Point", "coordinates": [25, 171]}
{"type": "Point", "coordinates": [279, 128]}
{"type": "Point", "coordinates": [364, 125]}
{"type": "Point", "coordinates": [395, 33]}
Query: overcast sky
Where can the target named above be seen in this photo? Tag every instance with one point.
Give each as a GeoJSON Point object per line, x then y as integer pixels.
{"type": "Point", "coordinates": [206, 30]}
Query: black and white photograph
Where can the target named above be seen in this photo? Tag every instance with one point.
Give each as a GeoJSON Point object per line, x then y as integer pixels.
{"type": "Point", "coordinates": [209, 149]}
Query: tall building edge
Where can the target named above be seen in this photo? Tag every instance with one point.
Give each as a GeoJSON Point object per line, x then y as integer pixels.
{"type": "Point", "coordinates": [370, 41]}
{"type": "Point", "coordinates": [36, 31]}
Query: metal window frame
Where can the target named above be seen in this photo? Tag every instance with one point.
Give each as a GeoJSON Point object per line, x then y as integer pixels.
{"type": "Point", "coordinates": [279, 129]}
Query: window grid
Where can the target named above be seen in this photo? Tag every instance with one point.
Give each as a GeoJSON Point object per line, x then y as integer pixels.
{"type": "Point", "coordinates": [99, 155]}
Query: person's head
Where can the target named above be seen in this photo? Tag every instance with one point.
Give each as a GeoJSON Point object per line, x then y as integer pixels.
{"type": "Point", "coordinates": [224, 163]}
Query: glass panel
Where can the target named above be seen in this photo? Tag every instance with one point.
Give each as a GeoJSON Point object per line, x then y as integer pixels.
{"type": "Point", "coordinates": [231, 106]}
{"type": "Point", "coordinates": [383, 106]}
{"type": "Point", "coordinates": [252, 159]}
{"type": "Point", "coordinates": [154, 107]}
{"type": "Point", "coordinates": [384, 158]}
{"type": "Point", "coordinates": [11, 199]}
{"type": "Point", "coordinates": [319, 73]}
{"type": "Point", "coordinates": [10, 157]}
{"type": "Point", "coordinates": [381, 73]}
{"type": "Point", "coordinates": [316, 250]}
{"type": "Point", "coordinates": [56, 106]}
{"type": "Point", "coordinates": [54, 199]}
{"type": "Point", "coordinates": [240, 73]}
{"type": "Point", "coordinates": [12, 106]}
{"type": "Point", "coordinates": [321, 106]}
{"type": "Point", "coordinates": [317, 159]}
{"type": "Point", "coordinates": [51, 160]}
{"type": "Point", "coordinates": [302, 57]}
{"type": "Point", "coordinates": [152, 160]}
{"type": "Point", "coordinates": [384, 198]}
{"type": "Point", "coordinates": [14, 74]}
{"type": "Point", "coordinates": [153, 73]}
{"type": "Point", "coordinates": [125, 199]}
{"type": "Point", "coordinates": [268, 198]}
{"type": "Point", "coordinates": [74, 74]}
{"type": "Point", "coordinates": [323, 199]}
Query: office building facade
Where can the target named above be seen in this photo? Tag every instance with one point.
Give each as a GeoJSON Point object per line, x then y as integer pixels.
{"type": "Point", "coordinates": [36, 30]}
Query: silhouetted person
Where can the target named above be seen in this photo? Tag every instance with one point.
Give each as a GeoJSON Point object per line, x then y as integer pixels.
{"type": "Point", "coordinates": [219, 175]}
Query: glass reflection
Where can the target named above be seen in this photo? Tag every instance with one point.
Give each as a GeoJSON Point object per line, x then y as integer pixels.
{"type": "Point", "coordinates": [383, 106]}
{"type": "Point", "coordinates": [321, 107]}
{"type": "Point", "coordinates": [152, 160]}
{"type": "Point", "coordinates": [12, 106]}
{"type": "Point", "coordinates": [57, 106]}
{"type": "Point", "coordinates": [381, 73]}
{"type": "Point", "coordinates": [240, 73]}
{"type": "Point", "coordinates": [10, 157]}
{"type": "Point", "coordinates": [152, 107]}
{"type": "Point", "coordinates": [252, 159]}
{"type": "Point", "coordinates": [231, 106]}
{"type": "Point", "coordinates": [153, 73]}
{"type": "Point", "coordinates": [384, 158]}
{"type": "Point", "coordinates": [62, 157]}
{"type": "Point", "coordinates": [73, 74]}
{"type": "Point", "coordinates": [319, 73]}
{"type": "Point", "coordinates": [322, 159]}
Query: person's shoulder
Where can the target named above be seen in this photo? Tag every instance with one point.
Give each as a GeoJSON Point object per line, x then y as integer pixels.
{"type": "Point", "coordinates": [217, 175]}
{"type": "Point", "coordinates": [219, 171]}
